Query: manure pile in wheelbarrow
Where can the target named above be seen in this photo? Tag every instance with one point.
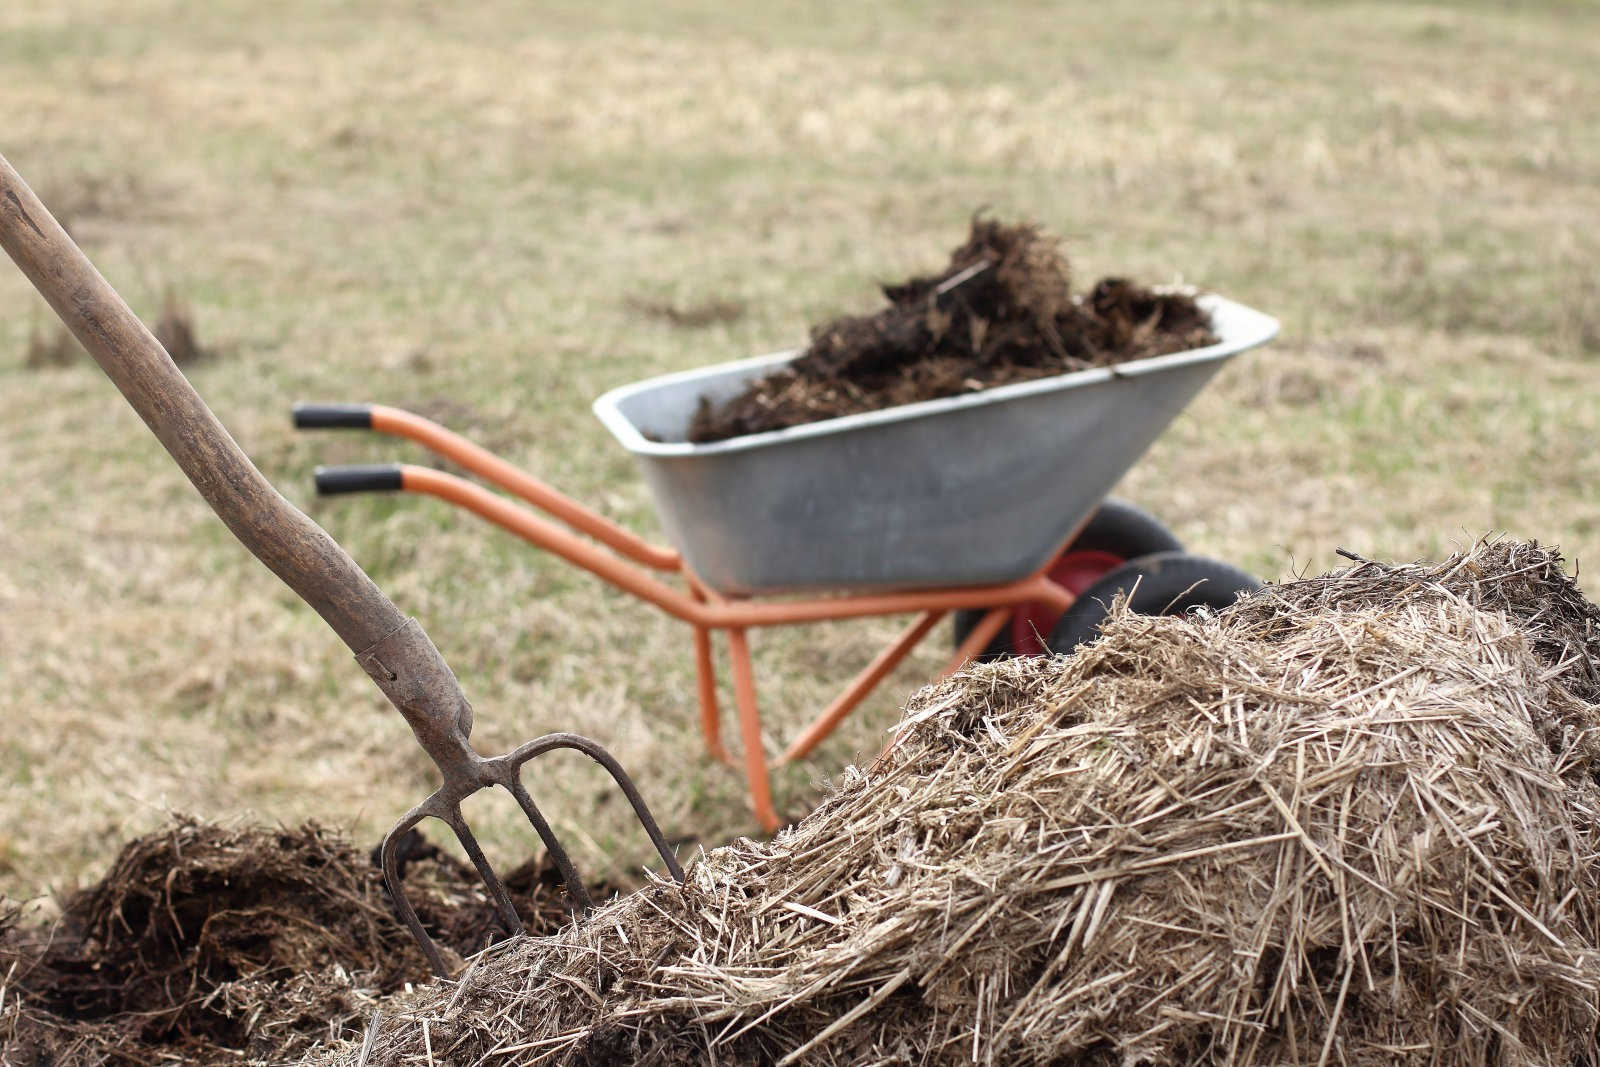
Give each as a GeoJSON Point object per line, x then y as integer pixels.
{"type": "Point", "coordinates": [1001, 311]}
{"type": "Point", "coordinates": [212, 945]}
{"type": "Point", "coordinates": [1349, 820]}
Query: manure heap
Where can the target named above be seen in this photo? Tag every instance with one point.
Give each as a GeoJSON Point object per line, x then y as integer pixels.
{"type": "Point", "coordinates": [1001, 311]}
{"type": "Point", "coordinates": [1350, 820]}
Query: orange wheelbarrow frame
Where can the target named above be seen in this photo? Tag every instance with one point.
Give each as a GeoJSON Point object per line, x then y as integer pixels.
{"type": "Point", "coordinates": [698, 605]}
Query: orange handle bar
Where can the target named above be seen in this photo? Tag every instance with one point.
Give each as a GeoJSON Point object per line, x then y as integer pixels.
{"type": "Point", "coordinates": [492, 468]}
{"type": "Point", "coordinates": [718, 613]}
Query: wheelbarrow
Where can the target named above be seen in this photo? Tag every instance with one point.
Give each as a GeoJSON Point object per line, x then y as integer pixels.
{"type": "Point", "coordinates": [988, 505]}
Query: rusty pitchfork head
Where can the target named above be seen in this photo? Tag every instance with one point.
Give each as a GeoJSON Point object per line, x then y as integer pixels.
{"type": "Point", "coordinates": [442, 730]}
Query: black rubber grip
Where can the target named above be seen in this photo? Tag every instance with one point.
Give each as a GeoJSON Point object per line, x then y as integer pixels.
{"type": "Point", "coordinates": [373, 478]}
{"type": "Point", "coordinates": [333, 416]}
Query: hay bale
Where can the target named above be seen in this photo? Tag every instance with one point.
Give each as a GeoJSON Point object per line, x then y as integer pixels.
{"type": "Point", "coordinates": [1351, 820]}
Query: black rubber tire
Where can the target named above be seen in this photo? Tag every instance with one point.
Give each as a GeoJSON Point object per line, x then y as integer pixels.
{"type": "Point", "coordinates": [1167, 583]}
{"type": "Point", "coordinates": [1118, 528]}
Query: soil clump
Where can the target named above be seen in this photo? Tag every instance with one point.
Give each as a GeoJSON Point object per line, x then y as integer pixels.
{"type": "Point", "coordinates": [1001, 311]}
{"type": "Point", "coordinates": [211, 945]}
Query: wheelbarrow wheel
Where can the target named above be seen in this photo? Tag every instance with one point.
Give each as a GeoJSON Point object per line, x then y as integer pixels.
{"type": "Point", "coordinates": [1167, 583]}
{"type": "Point", "coordinates": [1117, 533]}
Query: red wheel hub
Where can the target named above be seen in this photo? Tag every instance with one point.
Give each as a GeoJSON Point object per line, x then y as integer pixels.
{"type": "Point", "coordinates": [1032, 622]}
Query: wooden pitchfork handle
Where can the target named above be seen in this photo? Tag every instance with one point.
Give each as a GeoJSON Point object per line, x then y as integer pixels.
{"type": "Point", "coordinates": [392, 649]}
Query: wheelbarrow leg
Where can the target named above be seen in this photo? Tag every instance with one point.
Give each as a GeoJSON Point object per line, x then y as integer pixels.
{"type": "Point", "coordinates": [755, 759]}
{"type": "Point", "coordinates": [710, 714]}
{"type": "Point", "coordinates": [977, 640]}
{"type": "Point", "coordinates": [860, 686]}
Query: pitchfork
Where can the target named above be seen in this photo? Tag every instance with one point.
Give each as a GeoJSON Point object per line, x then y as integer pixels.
{"type": "Point", "coordinates": [391, 648]}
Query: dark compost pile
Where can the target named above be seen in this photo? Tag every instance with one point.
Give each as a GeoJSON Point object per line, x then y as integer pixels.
{"type": "Point", "coordinates": [205, 945]}
{"type": "Point", "coordinates": [1001, 311]}
{"type": "Point", "coordinates": [1350, 820]}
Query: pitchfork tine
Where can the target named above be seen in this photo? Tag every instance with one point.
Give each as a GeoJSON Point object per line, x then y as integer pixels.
{"type": "Point", "coordinates": [497, 888]}
{"type": "Point", "coordinates": [577, 892]}
{"type": "Point", "coordinates": [641, 810]}
{"type": "Point", "coordinates": [388, 856]}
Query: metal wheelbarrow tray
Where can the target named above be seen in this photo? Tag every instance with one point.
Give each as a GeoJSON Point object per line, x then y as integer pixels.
{"type": "Point", "coordinates": [978, 489]}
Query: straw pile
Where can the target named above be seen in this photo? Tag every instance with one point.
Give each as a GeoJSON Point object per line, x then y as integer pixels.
{"type": "Point", "coordinates": [1350, 820]}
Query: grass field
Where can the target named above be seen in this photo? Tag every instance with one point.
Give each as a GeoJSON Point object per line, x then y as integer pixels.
{"type": "Point", "coordinates": [483, 214]}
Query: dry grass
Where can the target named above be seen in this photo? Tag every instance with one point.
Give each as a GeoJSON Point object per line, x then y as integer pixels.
{"type": "Point", "coordinates": [1351, 820]}
{"type": "Point", "coordinates": [429, 206]}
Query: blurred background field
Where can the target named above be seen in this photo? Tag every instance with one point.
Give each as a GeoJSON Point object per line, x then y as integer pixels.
{"type": "Point", "coordinates": [493, 215]}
